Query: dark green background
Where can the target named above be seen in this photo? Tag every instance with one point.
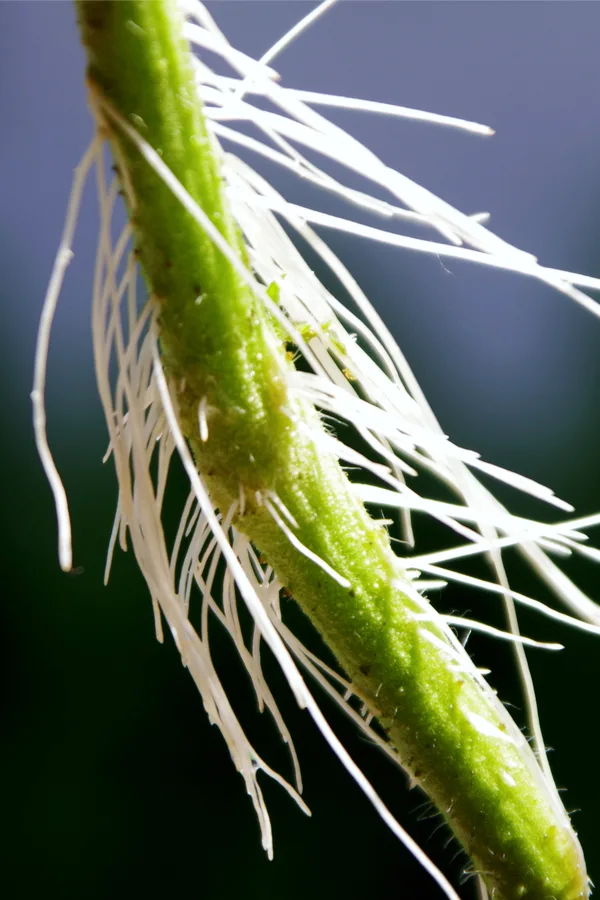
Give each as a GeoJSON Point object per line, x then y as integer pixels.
{"type": "Point", "coordinates": [112, 781]}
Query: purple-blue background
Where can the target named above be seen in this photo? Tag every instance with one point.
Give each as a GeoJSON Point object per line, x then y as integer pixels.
{"type": "Point", "coordinates": [113, 781]}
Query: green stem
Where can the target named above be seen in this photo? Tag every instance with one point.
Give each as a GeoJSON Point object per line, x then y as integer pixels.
{"type": "Point", "coordinates": [219, 343]}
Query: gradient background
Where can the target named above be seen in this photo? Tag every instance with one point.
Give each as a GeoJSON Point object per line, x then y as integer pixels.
{"type": "Point", "coordinates": [113, 783]}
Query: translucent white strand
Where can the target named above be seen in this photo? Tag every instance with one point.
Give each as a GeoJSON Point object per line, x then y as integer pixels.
{"type": "Point", "coordinates": [301, 548]}
{"type": "Point", "coordinates": [510, 636]}
{"type": "Point", "coordinates": [524, 540]}
{"type": "Point", "coordinates": [521, 598]}
{"type": "Point", "coordinates": [389, 109]}
{"type": "Point", "coordinates": [63, 258]}
{"type": "Point", "coordinates": [290, 36]}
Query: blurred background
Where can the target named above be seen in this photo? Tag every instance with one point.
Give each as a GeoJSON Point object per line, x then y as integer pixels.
{"type": "Point", "coordinates": [113, 782]}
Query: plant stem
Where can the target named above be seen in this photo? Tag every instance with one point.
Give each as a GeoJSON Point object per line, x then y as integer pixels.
{"type": "Point", "coordinates": [221, 348]}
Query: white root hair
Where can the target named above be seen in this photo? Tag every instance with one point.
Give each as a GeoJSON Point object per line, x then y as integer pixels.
{"type": "Point", "coordinates": [376, 392]}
